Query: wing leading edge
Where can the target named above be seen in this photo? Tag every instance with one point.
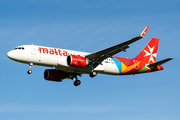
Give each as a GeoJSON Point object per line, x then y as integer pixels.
{"type": "Point", "coordinates": [97, 57]}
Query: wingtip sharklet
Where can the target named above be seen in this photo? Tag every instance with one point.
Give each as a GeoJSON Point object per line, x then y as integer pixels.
{"type": "Point", "coordinates": [144, 31]}
{"type": "Point", "coordinates": [171, 58]}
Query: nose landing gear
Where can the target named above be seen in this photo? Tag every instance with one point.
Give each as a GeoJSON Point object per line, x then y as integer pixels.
{"type": "Point", "coordinates": [30, 67]}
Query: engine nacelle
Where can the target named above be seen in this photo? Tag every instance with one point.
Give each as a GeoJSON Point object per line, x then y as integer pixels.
{"type": "Point", "coordinates": [53, 75]}
{"type": "Point", "coordinates": [77, 60]}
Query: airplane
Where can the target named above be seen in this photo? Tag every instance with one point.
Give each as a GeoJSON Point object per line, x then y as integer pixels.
{"type": "Point", "coordinates": [69, 64]}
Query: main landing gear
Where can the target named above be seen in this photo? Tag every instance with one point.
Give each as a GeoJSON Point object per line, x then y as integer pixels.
{"type": "Point", "coordinates": [30, 67]}
{"type": "Point", "coordinates": [76, 81]}
{"type": "Point", "coordinates": [92, 74]}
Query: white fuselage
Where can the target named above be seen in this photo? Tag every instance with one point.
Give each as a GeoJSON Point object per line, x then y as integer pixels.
{"type": "Point", "coordinates": [57, 58]}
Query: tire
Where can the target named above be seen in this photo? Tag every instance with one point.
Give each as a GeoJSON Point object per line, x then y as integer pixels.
{"type": "Point", "coordinates": [29, 71]}
{"type": "Point", "coordinates": [77, 82]}
{"type": "Point", "coordinates": [93, 74]}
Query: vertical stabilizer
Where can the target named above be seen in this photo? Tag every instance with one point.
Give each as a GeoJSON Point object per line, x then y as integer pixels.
{"type": "Point", "coordinates": [149, 53]}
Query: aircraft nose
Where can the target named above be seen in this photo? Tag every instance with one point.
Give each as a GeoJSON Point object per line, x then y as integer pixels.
{"type": "Point", "coordinates": [10, 54]}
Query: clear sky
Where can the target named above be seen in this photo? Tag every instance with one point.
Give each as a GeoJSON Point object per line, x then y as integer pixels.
{"type": "Point", "coordinates": [89, 26]}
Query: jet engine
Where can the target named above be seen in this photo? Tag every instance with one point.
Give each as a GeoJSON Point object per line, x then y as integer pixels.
{"type": "Point", "coordinates": [53, 75]}
{"type": "Point", "coordinates": [77, 60]}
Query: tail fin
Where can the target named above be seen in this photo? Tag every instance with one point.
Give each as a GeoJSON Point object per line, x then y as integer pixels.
{"type": "Point", "coordinates": [149, 53]}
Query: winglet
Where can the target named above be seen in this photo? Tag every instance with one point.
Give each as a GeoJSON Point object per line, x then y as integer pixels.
{"type": "Point", "coordinates": [144, 31]}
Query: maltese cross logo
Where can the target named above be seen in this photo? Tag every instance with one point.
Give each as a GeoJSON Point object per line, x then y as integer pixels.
{"type": "Point", "coordinates": [151, 54]}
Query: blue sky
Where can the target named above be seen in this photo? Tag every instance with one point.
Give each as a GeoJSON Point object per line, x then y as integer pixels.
{"type": "Point", "coordinates": [89, 26]}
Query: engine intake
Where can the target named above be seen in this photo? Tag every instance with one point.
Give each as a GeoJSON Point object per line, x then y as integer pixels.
{"type": "Point", "coordinates": [77, 60]}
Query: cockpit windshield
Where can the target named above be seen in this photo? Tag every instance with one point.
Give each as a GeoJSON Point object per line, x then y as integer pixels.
{"type": "Point", "coordinates": [20, 48]}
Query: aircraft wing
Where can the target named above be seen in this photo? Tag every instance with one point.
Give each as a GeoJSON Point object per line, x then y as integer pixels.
{"type": "Point", "coordinates": [97, 57]}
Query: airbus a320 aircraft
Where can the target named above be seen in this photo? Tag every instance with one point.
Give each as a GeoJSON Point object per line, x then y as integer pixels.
{"type": "Point", "coordinates": [70, 64]}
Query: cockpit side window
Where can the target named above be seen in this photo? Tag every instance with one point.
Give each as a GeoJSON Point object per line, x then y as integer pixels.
{"type": "Point", "coordinates": [20, 48]}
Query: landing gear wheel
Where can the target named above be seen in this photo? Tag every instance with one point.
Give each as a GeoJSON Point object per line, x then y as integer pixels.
{"type": "Point", "coordinates": [77, 82]}
{"type": "Point", "coordinates": [29, 71]}
{"type": "Point", "coordinates": [92, 74]}
{"type": "Point", "coordinates": [30, 67]}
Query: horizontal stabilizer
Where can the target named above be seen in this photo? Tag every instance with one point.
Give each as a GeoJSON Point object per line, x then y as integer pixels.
{"type": "Point", "coordinates": [159, 63]}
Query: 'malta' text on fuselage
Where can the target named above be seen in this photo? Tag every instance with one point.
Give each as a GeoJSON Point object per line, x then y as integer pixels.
{"type": "Point", "coordinates": [53, 51]}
